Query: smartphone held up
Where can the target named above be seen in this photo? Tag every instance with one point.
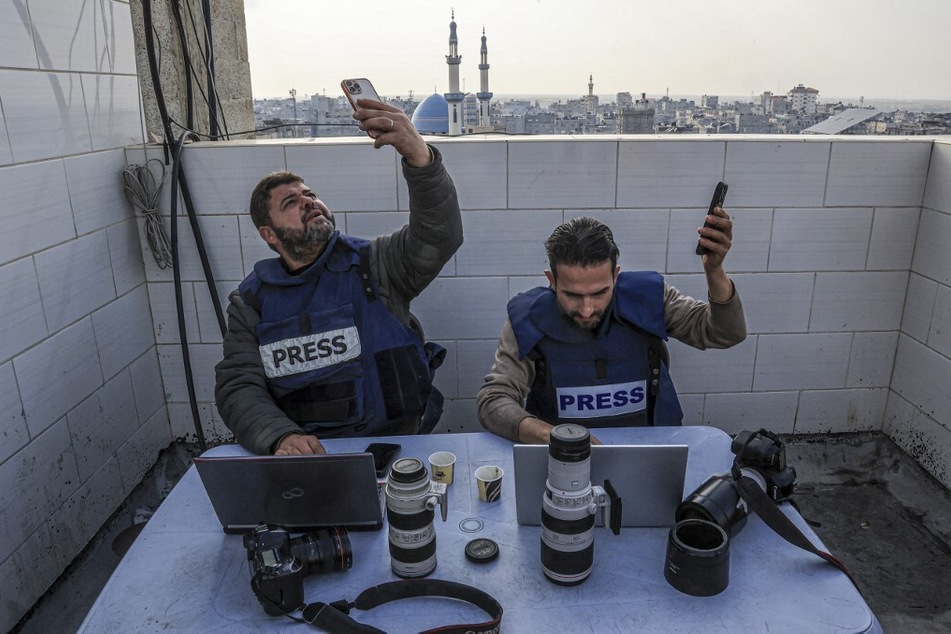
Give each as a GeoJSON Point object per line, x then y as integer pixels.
{"type": "Point", "coordinates": [359, 88]}
{"type": "Point", "coordinates": [719, 196]}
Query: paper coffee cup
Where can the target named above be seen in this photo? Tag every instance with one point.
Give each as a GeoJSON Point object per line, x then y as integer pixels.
{"type": "Point", "coordinates": [441, 466]}
{"type": "Point", "coordinates": [490, 483]}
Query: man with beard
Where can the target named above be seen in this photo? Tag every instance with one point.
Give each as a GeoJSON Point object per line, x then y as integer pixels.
{"type": "Point", "coordinates": [589, 349]}
{"type": "Point", "coordinates": [320, 340]}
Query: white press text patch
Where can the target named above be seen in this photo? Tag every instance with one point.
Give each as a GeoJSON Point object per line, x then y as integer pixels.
{"type": "Point", "coordinates": [592, 401]}
{"type": "Point", "coordinates": [310, 352]}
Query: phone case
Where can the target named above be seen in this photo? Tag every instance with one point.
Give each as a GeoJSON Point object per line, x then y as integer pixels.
{"type": "Point", "coordinates": [359, 88]}
{"type": "Point", "coordinates": [719, 196]}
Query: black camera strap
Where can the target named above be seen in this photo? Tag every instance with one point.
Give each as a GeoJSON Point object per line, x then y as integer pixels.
{"type": "Point", "coordinates": [334, 617]}
{"type": "Point", "coordinates": [764, 506]}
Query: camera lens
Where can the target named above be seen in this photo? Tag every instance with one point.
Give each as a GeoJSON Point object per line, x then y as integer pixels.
{"type": "Point", "coordinates": [717, 501]}
{"type": "Point", "coordinates": [412, 536]}
{"type": "Point", "coordinates": [698, 558]}
{"type": "Point", "coordinates": [326, 550]}
{"type": "Point", "coordinates": [567, 541]}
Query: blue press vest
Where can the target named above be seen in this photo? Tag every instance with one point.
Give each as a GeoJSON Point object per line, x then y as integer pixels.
{"type": "Point", "coordinates": [598, 378]}
{"type": "Point", "coordinates": [337, 361]}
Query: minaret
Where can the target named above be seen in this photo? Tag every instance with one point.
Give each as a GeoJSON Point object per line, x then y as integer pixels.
{"type": "Point", "coordinates": [484, 95]}
{"type": "Point", "coordinates": [591, 102]}
{"type": "Point", "coordinates": [454, 97]}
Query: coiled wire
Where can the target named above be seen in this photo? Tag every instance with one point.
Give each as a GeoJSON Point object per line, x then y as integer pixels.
{"type": "Point", "coordinates": [142, 189]}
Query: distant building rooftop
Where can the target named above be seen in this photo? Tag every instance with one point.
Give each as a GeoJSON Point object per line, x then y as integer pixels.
{"type": "Point", "coordinates": [837, 124]}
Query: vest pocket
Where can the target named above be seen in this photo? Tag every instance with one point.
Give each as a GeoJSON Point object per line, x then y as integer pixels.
{"type": "Point", "coordinates": [330, 403]}
{"type": "Point", "coordinates": [404, 381]}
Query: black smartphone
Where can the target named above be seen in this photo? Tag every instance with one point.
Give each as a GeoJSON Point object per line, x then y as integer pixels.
{"type": "Point", "coordinates": [719, 195]}
{"type": "Point", "coordinates": [383, 453]}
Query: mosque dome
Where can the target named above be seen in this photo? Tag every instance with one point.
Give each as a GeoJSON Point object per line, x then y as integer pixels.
{"type": "Point", "coordinates": [432, 115]}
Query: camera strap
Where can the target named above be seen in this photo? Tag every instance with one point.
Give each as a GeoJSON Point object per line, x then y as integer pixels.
{"type": "Point", "coordinates": [764, 506]}
{"type": "Point", "coordinates": [334, 617]}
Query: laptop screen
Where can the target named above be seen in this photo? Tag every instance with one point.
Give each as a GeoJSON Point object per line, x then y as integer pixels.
{"type": "Point", "coordinates": [296, 492]}
{"type": "Point", "coordinates": [648, 478]}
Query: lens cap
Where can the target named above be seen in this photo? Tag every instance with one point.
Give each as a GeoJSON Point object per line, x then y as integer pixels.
{"type": "Point", "coordinates": [482, 550]}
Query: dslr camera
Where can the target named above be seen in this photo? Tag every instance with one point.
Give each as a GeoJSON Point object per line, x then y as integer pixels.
{"type": "Point", "coordinates": [279, 563]}
{"type": "Point", "coordinates": [760, 456]}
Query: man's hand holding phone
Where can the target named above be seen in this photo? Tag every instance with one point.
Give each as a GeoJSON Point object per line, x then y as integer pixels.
{"type": "Point", "coordinates": [385, 124]}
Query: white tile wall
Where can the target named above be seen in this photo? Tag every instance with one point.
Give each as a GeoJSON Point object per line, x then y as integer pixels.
{"type": "Point", "coordinates": [22, 323]}
{"type": "Point", "coordinates": [922, 377]}
{"type": "Point", "coordinates": [71, 357]}
{"type": "Point", "coordinates": [858, 301]}
{"type": "Point", "coordinates": [114, 111]}
{"type": "Point", "coordinates": [122, 331]}
{"type": "Point", "coordinates": [801, 362]}
{"type": "Point", "coordinates": [222, 245]}
{"type": "Point", "coordinates": [147, 384]}
{"type": "Point", "coordinates": [15, 434]}
{"type": "Point", "coordinates": [932, 255]}
{"type": "Point", "coordinates": [75, 279]}
{"type": "Point", "coordinates": [65, 34]}
{"type": "Point", "coordinates": [365, 224]}
{"type": "Point", "coordinates": [836, 411]}
{"type": "Point", "coordinates": [640, 234]}
{"type": "Point", "coordinates": [743, 411]}
{"type": "Point", "coordinates": [775, 302]}
{"type": "Point", "coordinates": [776, 173]}
{"type": "Point", "coordinates": [37, 481]}
{"type": "Point", "coordinates": [140, 452]}
{"type": "Point", "coordinates": [750, 248]}
{"type": "Point", "coordinates": [876, 173]}
{"type": "Point", "coordinates": [221, 179]}
{"type": "Point", "coordinates": [938, 190]}
{"type": "Point", "coordinates": [183, 427]}
{"type": "Point", "coordinates": [203, 359]}
{"type": "Point", "coordinates": [562, 174]}
{"type": "Point", "coordinates": [925, 439]}
{"type": "Point", "coordinates": [662, 174]}
{"type": "Point", "coordinates": [165, 315]}
{"type": "Point", "coordinates": [447, 376]}
{"type": "Point", "coordinates": [820, 239]}
{"type": "Point", "coordinates": [919, 307]}
{"type": "Point", "coordinates": [48, 220]}
{"type": "Point", "coordinates": [483, 182]}
{"type": "Point", "coordinates": [6, 154]}
{"type": "Point", "coordinates": [126, 254]}
{"type": "Point", "coordinates": [712, 370]}
{"type": "Point", "coordinates": [16, 45]}
{"type": "Point", "coordinates": [45, 114]}
{"type": "Point", "coordinates": [93, 181]}
{"type": "Point", "coordinates": [23, 581]}
{"type": "Point", "coordinates": [893, 238]}
{"type": "Point", "coordinates": [475, 359]}
{"type": "Point", "coordinates": [505, 243]}
{"type": "Point", "coordinates": [101, 423]}
{"type": "Point", "coordinates": [872, 359]}
{"type": "Point", "coordinates": [474, 306]}
{"type": "Point", "coordinates": [351, 177]}
{"type": "Point", "coordinates": [939, 339]}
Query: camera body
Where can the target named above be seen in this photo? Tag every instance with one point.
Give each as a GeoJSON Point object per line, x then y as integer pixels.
{"type": "Point", "coordinates": [279, 563]}
{"type": "Point", "coordinates": [411, 498]}
{"type": "Point", "coordinates": [760, 456]}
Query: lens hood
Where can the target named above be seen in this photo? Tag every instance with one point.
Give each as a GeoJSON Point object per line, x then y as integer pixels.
{"type": "Point", "coordinates": [698, 558]}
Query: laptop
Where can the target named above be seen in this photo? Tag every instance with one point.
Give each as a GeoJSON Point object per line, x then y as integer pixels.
{"type": "Point", "coordinates": [299, 493]}
{"type": "Point", "coordinates": [648, 478]}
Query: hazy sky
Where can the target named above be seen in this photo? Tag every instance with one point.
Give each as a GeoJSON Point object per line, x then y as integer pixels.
{"type": "Point", "coordinates": [843, 48]}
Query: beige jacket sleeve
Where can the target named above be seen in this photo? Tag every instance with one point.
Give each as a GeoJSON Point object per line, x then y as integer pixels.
{"type": "Point", "coordinates": [501, 399]}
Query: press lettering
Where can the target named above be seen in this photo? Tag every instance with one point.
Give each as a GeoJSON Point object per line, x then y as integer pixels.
{"type": "Point", "coordinates": [295, 355]}
{"type": "Point", "coordinates": [593, 401]}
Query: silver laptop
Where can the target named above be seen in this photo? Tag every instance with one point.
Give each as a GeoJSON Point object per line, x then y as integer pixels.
{"type": "Point", "coordinates": [648, 478]}
{"type": "Point", "coordinates": [300, 493]}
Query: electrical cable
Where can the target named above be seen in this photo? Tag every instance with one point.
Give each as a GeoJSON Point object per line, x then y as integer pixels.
{"type": "Point", "coordinates": [142, 190]}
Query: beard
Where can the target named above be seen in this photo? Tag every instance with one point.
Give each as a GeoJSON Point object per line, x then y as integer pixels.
{"type": "Point", "coordinates": [305, 244]}
{"type": "Point", "coordinates": [590, 323]}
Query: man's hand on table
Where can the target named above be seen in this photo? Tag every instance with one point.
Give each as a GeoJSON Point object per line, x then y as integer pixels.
{"type": "Point", "coordinates": [299, 445]}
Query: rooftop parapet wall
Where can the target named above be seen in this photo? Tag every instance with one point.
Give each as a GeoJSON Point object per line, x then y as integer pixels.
{"type": "Point", "coordinates": [824, 258]}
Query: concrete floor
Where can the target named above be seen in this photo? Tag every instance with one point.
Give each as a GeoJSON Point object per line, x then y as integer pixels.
{"type": "Point", "coordinates": [881, 514]}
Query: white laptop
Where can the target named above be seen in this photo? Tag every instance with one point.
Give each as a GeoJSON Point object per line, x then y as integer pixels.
{"type": "Point", "coordinates": [300, 493]}
{"type": "Point", "coordinates": [648, 478]}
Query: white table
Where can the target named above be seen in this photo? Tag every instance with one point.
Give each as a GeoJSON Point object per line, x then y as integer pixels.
{"type": "Point", "coordinates": [184, 574]}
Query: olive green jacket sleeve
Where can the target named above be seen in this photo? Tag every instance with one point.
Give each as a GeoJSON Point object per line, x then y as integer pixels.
{"type": "Point", "coordinates": [500, 402]}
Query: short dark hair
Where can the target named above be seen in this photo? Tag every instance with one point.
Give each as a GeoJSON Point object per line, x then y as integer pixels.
{"type": "Point", "coordinates": [261, 196]}
{"type": "Point", "coordinates": [581, 242]}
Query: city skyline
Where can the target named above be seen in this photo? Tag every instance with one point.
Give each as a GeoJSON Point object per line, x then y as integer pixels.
{"type": "Point", "coordinates": [876, 49]}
